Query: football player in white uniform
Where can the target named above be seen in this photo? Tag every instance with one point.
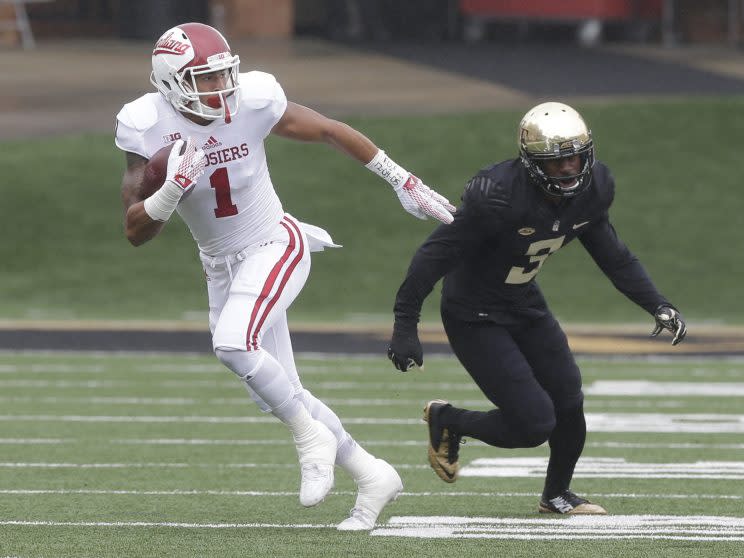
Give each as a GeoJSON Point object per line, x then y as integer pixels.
{"type": "Point", "coordinates": [255, 256]}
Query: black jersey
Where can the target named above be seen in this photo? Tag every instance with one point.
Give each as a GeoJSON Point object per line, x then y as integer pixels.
{"type": "Point", "coordinates": [502, 233]}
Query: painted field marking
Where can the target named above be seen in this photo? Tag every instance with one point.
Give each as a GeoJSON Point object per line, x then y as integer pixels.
{"type": "Point", "coordinates": [166, 465]}
{"type": "Point", "coordinates": [423, 494]}
{"type": "Point", "coordinates": [241, 401]}
{"type": "Point", "coordinates": [596, 422]}
{"type": "Point", "coordinates": [187, 419]}
{"type": "Point", "coordinates": [168, 524]}
{"type": "Point", "coordinates": [365, 443]}
{"type": "Point", "coordinates": [515, 467]}
{"type": "Point", "coordinates": [35, 441]}
{"type": "Point", "coordinates": [689, 528]}
{"type": "Point", "coordinates": [605, 467]}
{"type": "Point", "coordinates": [643, 388]}
{"type": "Point", "coordinates": [475, 404]}
{"type": "Point", "coordinates": [666, 423]}
{"type": "Point", "coordinates": [226, 381]}
{"type": "Point", "coordinates": [663, 445]}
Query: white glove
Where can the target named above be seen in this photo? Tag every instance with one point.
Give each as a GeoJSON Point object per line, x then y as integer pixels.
{"type": "Point", "coordinates": [416, 197]}
{"type": "Point", "coordinates": [184, 169]}
{"type": "Point", "coordinates": [421, 201]}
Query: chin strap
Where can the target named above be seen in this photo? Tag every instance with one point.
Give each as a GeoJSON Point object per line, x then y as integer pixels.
{"type": "Point", "coordinates": [226, 106]}
{"type": "Point", "coordinates": [210, 113]}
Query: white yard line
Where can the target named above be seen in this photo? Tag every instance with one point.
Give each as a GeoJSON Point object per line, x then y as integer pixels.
{"type": "Point", "coordinates": [226, 381]}
{"type": "Point", "coordinates": [644, 388]}
{"type": "Point", "coordinates": [596, 422]}
{"type": "Point", "coordinates": [507, 467]}
{"type": "Point", "coordinates": [168, 524]}
{"type": "Point", "coordinates": [700, 528]}
{"type": "Point", "coordinates": [187, 419]}
{"type": "Point", "coordinates": [662, 445]}
{"type": "Point", "coordinates": [424, 494]}
{"type": "Point", "coordinates": [605, 467]}
{"type": "Point", "coordinates": [35, 441]}
{"type": "Point", "coordinates": [419, 442]}
{"type": "Point", "coordinates": [688, 528]}
{"type": "Point", "coordinates": [474, 404]}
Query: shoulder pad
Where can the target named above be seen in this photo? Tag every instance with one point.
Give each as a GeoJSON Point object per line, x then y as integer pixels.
{"type": "Point", "coordinates": [487, 192]}
{"type": "Point", "coordinates": [259, 89]}
{"type": "Point", "coordinates": [603, 184]}
{"type": "Point", "coordinates": [141, 114]}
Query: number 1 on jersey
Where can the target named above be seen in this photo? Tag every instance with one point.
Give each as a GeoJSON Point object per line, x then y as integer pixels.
{"type": "Point", "coordinates": [219, 181]}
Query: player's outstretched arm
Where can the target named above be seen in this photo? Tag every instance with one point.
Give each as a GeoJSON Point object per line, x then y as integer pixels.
{"type": "Point", "coordinates": [304, 124]}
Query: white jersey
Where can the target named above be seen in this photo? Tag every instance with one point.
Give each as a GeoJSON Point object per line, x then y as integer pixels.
{"type": "Point", "coordinates": [233, 205]}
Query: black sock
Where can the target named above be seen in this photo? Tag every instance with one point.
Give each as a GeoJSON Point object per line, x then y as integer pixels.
{"type": "Point", "coordinates": [566, 445]}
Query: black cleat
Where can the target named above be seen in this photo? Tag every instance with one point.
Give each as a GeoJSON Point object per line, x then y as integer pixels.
{"type": "Point", "coordinates": [567, 503]}
{"type": "Point", "coordinates": [443, 445]}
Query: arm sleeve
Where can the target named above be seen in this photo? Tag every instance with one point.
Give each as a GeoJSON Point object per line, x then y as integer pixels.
{"type": "Point", "coordinates": [432, 261]}
{"type": "Point", "coordinates": [619, 264]}
{"type": "Point", "coordinates": [444, 249]}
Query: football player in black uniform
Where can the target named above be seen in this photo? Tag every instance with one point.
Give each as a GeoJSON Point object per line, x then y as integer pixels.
{"type": "Point", "coordinates": [514, 215]}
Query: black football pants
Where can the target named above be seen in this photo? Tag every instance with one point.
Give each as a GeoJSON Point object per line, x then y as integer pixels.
{"type": "Point", "coordinates": [529, 373]}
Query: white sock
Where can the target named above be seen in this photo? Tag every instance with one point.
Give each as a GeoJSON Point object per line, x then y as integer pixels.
{"type": "Point", "coordinates": [320, 411]}
{"type": "Point", "coordinates": [356, 461]}
{"type": "Point", "coordinates": [301, 424]}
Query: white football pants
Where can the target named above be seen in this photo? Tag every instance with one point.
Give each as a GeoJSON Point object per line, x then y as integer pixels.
{"type": "Point", "coordinates": [249, 294]}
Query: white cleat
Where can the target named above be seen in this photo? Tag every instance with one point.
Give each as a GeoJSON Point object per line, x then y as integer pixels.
{"type": "Point", "coordinates": [317, 482]}
{"type": "Point", "coordinates": [376, 490]}
{"type": "Point", "coordinates": [317, 454]}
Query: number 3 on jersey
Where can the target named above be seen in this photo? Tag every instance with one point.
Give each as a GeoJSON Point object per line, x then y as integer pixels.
{"type": "Point", "coordinates": [518, 275]}
{"type": "Point", "coordinates": [220, 183]}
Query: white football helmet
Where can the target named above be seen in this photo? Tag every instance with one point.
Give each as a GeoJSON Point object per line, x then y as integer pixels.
{"type": "Point", "coordinates": [190, 50]}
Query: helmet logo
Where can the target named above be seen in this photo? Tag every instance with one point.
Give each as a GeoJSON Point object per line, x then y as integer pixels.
{"type": "Point", "coordinates": [166, 45]}
{"type": "Point", "coordinates": [526, 231]}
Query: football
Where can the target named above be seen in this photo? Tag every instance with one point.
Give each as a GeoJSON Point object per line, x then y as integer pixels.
{"type": "Point", "coordinates": [155, 171]}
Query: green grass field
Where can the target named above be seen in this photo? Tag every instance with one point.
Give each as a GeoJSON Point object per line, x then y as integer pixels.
{"type": "Point", "coordinates": [157, 455]}
{"type": "Point", "coordinates": [677, 206]}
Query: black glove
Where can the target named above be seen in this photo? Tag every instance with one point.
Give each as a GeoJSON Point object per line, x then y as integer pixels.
{"type": "Point", "coordinates": [669, 318]}
{"type": "Point", "coordinates": [405, 348]}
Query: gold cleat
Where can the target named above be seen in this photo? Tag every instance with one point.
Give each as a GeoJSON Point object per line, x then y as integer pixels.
{"type": "Point", "coordinates": [568, 503]}
{"type": "Point", "coordinates": [443, 446]}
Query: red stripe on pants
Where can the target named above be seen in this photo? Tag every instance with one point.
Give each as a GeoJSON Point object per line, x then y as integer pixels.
{"type": "Point", "coordinates": [295, 241]}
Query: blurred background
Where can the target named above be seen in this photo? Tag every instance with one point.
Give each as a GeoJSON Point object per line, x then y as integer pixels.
{"type": "Point", "coordinates": [588, 21]}
{"type": "Point", "coordinates": [440, 84]}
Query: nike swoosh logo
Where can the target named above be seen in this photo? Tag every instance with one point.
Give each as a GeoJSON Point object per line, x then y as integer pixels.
{"type": "Point", "coordinates": [579, 225]}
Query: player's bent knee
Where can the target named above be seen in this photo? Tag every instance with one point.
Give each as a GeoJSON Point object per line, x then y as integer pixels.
{"type": "Point", "coordinates": [569, 406]}
{"type": "Point", "coordinates": [537, 434]}
{"type": "Point", "coordinates": [243, 363]}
